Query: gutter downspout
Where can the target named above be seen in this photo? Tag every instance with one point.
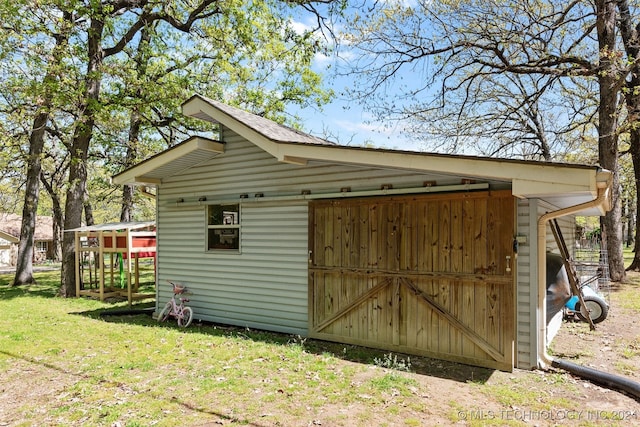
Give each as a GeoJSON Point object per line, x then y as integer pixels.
{"type": "Point", "coordinates": [614, 382]}
{"type": "Point", "coordinates": [544, 359]}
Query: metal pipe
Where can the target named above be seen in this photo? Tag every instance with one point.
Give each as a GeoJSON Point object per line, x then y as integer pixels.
{"type": "Point", "coordinates": [545, 360]}
{"type": "Point", "coordinates": [606, 379]}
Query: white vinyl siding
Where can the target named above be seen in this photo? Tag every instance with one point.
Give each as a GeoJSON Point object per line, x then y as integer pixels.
{"type": "Point", "coordinates": [265, 285]}
{"type": "Point", "coordinates": [246, 169]}
{"type": "Point", "coordinates": [527, 283]}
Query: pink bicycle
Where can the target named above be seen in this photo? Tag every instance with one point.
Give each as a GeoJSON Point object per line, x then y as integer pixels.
{"type": "Point", "coordinates": [172, 308]}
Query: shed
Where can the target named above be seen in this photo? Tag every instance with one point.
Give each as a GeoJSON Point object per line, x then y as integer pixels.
{"type": "Point", "coordinates": [10, 226]}
{"type": "Point", "coordinates": [422, 253]}
{"type": "Point", "coordinates": [105, 248]}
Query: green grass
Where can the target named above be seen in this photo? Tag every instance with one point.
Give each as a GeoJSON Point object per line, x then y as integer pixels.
{"type": "Point", "coordinates": [128, 370]}
{"type": "Point", "coordinates": [131, 370]}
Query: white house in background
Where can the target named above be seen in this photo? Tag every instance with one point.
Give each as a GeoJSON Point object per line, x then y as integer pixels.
{"type": "Point", "coordinates": [427, 254]}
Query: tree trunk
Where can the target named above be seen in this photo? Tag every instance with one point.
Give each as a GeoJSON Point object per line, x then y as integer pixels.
{"type": "Point", "coordinates": [127, 190]}
{"type": "Point", "coordinates": [135, 122]}
{"type": "Point", "coordinates": [635, 158]}
{"type": "Point", "coordinates": [58, 218]}
{"type": "Point", "coordinates": [24, 265]}
{"type": "Point", "coordinates": [609, 85]}
{"type": "Point", "coordinates": [88, 210]}
{"type": "Point", "coordinates": [631, 220]}
{"type": "Point", "coordinates": [79, 154]}
{"type": "Point", "coordinates": [630, 38]}
{"type": "Point", "coordinates": [24, 262]}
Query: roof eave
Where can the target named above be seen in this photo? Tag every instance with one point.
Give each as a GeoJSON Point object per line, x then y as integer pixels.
{"type": "Point", "coordinates": [528, 178]}
{"type": "Point", "coordinates": [193, 151]}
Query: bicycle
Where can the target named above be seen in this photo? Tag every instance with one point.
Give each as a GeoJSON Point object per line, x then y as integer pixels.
{"type": "Point", "coordinates": [172, 308]}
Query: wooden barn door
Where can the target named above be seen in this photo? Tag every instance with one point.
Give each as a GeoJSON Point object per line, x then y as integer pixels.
{"type": "Point", "coordinates": [428, 274]}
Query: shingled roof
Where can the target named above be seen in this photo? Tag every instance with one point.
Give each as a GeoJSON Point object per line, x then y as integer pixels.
{"type": "Point", "coordinates": [10, 225]}
{"type": "Point", "coordinates": [268, 128]}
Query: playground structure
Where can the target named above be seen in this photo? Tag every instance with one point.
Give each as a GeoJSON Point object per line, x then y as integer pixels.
{"type": "Point", "coordinates": [115, 248]}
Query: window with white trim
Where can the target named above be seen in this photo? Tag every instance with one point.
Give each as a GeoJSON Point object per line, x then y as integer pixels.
{"type": "Point", "coordinates": [223, 227]}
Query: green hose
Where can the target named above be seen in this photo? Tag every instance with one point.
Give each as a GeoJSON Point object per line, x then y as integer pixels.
{"type": "Point", "coordinates": [122, 278]}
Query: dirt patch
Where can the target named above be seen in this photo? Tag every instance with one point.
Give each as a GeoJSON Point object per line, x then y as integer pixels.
{"type": "Point", "coordinates": [34, 386]}
{"type": "Point", "coordinates": [614, 347]}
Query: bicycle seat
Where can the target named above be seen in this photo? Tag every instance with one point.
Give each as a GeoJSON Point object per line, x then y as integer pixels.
{"type": "Point", "coordinates": [184, 299]}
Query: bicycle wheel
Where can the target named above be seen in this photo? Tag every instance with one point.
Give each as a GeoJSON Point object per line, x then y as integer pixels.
{"type": "Point", "coordinates": [164, 313]}
{"type": "Point", "coordinates": [186, 318]}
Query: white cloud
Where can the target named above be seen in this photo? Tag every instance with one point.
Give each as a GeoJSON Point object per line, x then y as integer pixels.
{"type": "Point", "coordinates": [299, 27]}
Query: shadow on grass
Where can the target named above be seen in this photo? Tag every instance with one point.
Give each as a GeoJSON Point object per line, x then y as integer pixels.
{"type": "Point", "coordinates": [141, 314]}
{"type": "Point", "coordinates": [44, 287]}
{"type": "Point", "coordinates": [47, 285]}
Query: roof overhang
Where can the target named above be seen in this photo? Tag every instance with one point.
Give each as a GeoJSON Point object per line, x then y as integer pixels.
{"type": "Point", "coordinates": [153, 170]}
{"type": "Point", "coordinates": [115, 226]}
{"type": "Point", "coordinates": [562, 185]}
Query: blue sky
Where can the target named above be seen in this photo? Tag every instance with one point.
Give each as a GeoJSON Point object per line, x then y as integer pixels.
{"type": "Point", "coordinates": [344, 120]}
{"type": "Point", "coordinates": [347, 123]}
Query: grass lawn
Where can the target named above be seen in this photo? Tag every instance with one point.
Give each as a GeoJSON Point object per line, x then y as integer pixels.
{"type": "Point", "coordinates": [130, 370]}
{"type": "Point", "coordinates": [63, 362]}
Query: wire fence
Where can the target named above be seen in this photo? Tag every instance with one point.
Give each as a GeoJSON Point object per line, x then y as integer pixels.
{"type": "Point", "coordinates": [592, 268]}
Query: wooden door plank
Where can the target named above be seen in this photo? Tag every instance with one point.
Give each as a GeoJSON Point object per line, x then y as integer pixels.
{"type": "Point", "coordinates": [373, 236]}
{"type": "Point", "coordinates": [444, 237]}
{"type": "Point", "coordinates": [355, 303]}
{"type": "Point", "coordinates": [455, 309]}
{"type": "Point", "coordinates": [456, 236]}
{"type": "Point", "coordinates": [413, 328]}
{"type": "Point", "coordinates": [493, 315]}
{"type": "Point", "coordinates": [381, 247]}
{"type": "Point", "coordinates": [364, 234]}
{"type": "Point", "coordinates": [480, 341]}
{"type": "Point", "coordinates": [480, 313]}
{"type": "Point", "coordinates": [443, 297]}
{"type": "Point", "coordinates": [434, 318]}
{"type": "Point", "coordinates": [480, 266]}
{"type": "Point", "coordinates": [393, 236]}
{"type": "Point", "coordinates": [468, 241]}
{"type": "Point", "coordinates": [337, 238]}
{"type": "Point", "coordinates": [423, 247]}
{"type": "Point", "coordinates": [360, 314]}
{"type": "Point", "coordinates": [433, 228]}
{"type": "Point", "coordinates": [327, 248]}
{"type": "Point", "coordinates": [467, 317]}
{"type": "Point", "coordinates": [328, 297]}
{"type": "Point", "coordinates": [395, 308]}
{"type": "Point", "coordinates": [493, 239]}
{"type": "Point", "coordinates": [319, 226]}
{"type": "Point", "coordinates": [480, 238]}
{"type": "Point", "coordinates": [408, 238]}
{"type": "Point", "coordinates": [353, 231]}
